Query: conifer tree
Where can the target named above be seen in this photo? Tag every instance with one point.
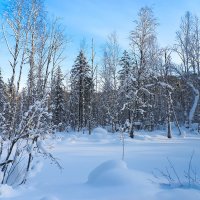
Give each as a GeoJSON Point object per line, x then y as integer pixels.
{"type": "Point", "coordinates": [126, 71]}
{"type": "Point", "coordinates": [58, 99]}
{"type": "Point", "coordinates": [127, 92]}
{"type": "Point", "coordinates": [81, 83]}
{"type": "Point", "coordinates": [126, 84]}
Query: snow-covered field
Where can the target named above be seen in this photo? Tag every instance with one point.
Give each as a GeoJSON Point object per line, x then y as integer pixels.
{"type": "Point", "coordinates": [93, 169]}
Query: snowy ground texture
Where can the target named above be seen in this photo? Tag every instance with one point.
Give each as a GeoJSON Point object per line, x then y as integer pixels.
{"type": "Point", "coordinates": [93, 169]}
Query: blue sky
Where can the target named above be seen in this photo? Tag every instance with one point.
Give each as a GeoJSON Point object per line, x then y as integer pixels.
{"type": "Point", "coordinates": [98, 18]}
{"type": "Point", "coordinates": [87, 19]}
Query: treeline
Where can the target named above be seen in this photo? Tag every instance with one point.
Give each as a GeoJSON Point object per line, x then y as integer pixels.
{"type": "Point", "coordinates": [142, 85]}
{"type": "Point", "coordinates": [139, 88]}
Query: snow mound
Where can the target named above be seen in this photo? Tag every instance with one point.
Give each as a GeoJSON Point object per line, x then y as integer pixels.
{"type": "Point", "coordinates": [99, 134]}
{"type": "Point", "coordinates": [6, 191]}
{"type": "Point", "coordinates": [72, 140]}
{"type": "Point", "coordinates": [49, 198]}
{"type": "Point", "coordinates": [111, 173]}
{"type": "Point", "coordinates": [100, 130]}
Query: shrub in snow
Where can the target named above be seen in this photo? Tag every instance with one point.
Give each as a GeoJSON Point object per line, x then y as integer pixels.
{"type": "Point", "coordinates": [24, 142]}
{"type": "Point", "coordinates": [109, 173]}
{"type": "Point", "coordinates": [171, 176]}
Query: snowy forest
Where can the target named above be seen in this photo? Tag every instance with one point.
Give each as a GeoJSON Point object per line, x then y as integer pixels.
{"type": "Point", "coordinates": [141, 88]}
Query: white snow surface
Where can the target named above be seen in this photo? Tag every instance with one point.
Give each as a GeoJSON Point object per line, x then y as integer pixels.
{"type": "Point", "coordinates": [92, 169]}
{"type": "Point", "coordinates": [7, 191]}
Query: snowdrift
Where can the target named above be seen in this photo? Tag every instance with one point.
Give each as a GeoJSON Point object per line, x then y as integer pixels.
{"type": "Point", "coordinates": [111, 173]}
{"type": "Point", "coordinates": [7, 191]}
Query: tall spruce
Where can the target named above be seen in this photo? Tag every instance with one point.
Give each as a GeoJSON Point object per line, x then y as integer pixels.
{"type": "Point", "coordinates": [81, 83]}
{"type": "Point", "coordinates": [57, 98]}
{"type": "Point", "coordinates": [127, 92]}
{"type": "Point", "coordinates": [127, 86]}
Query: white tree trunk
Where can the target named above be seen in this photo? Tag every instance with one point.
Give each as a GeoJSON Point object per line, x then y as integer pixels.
{"type": "Point", "coordinates": [195, 103]}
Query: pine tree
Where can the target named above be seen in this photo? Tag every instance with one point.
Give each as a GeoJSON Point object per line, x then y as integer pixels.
{"type": "Point", "coordinates": [126, 72]}
{"type": "Point", "coordinates": [126, 84]}
{"type": "Point", "coordinates": [127, 91]}
{"type": "Point", "coordinates": [58, 99]}
{"type": "Point", "coordinates": [81, 83]}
